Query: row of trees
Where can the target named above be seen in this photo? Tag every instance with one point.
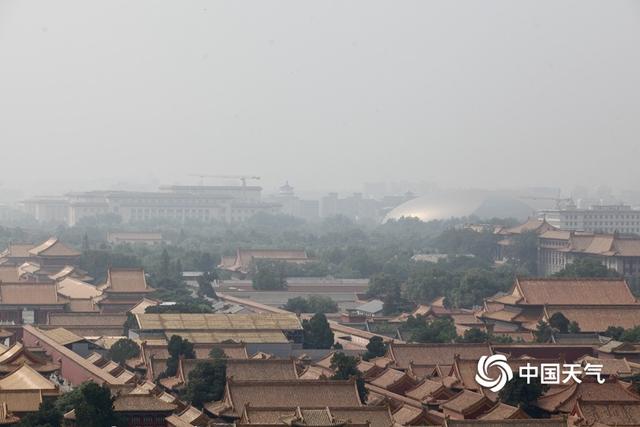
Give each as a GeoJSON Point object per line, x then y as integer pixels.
{"type": "Point", "coordinates": [93, 406]}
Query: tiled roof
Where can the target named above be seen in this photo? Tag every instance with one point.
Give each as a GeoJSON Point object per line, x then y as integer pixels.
{"type": "Point", "coordinates": [610, 366]}
{"type": "Point", "coordinates": [597, 318]}
{"type": "Point", "coordinates": [18, 355]}
{"type": "Point", "coordinates": [309, 394]}
{"type": "Point", "coordinates": [87, 364]}
{"type": "Point", "coordinates": [213, 337]}
{"type": "Point", "coordinates": [374, 416]}
{"type": "Point", "coordinates": [27, 378]}
{"type": "Point", "coordinates": [21, 400]}
{"type": "Point", "coordinates": [126, 280]}
{"type": "Point", "coordinates": [86, 319]}
{"type": "Point", "coordinates": [244, 257]}
{"type": "Point", "coordinates": [532, 224]}
{"type": "Point", "coordinates": [434, 354]}
{"type": "Point", "coordinates": [220, 322]}
{"type": "Point", "coordinates": [391, 377]}
{"type": "Point", "coordinates": [507, 423]}
{"type": "Point", "coordinates": [362, 415]}
{"type": "Point", "coordinates": [28, 293]}
{"type": "Point", "coordinates": [8, 273]}
{"type": "Point", "coordinates": [74, 288]}
{"type": "Point", "coordinates": [564, 399]}
{"type": "Point", "coordinates": [570, 291]}
{"type": "Point", "coordinates": [261, 369]}
{"type": "Point", "coordinates": [63, 336]}
{"type": "Point", "coordinates": [610, 414]}
{"type": "Point", "coordinates": [17, 250]}
{"type": "Point", "coordinates": [143, 305]}
{"type": "Point", "coordinates": [407, 415]}
{"type": "Point", "coordinates": [242, 369]}
{"type": "Point", "coordinates": [466, 401]}
{"type": "Point", "coordinates": [53, 247]}
{"type": "Point", "coordinates": [142, 403]}
{"type": "Point", "coordinates": [426, 389]}
{"type": "Point", "coordinates": [316, 373]}
{"type": "Point", "coordinates": [502, 411]}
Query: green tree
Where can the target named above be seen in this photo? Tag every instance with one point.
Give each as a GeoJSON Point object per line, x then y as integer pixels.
{"type": "Point", "coordinates": [543, 332]}
{"type": "Point", "coordinates": [123, 350]}
{"type": "Point", "coordinates": [631, 335]}
{"type": "Point", "coordinates": [574, 327]}
{"type": "Point", "coordinates": [525, 251]}
{"type": "Point", "coordinates": [346, 367]}
{"type": "Point", "coordinates": [93, 405]}
{"type": "Point", "coordinates": [314, 304]}
{"type": "Point", "coordinates": [392, 302]}
{"type": "Point", "coordinates": [586, 267]}
{"type": "Point", "coordinates": [437, 330]}
{"type": "Point", "coordinates": [375, 348]}
{"type": "Point", "coordinates": [205, 284]}
{"type": "Point", "coordinates": [96, 407]}
{"type": "Point", "coordinates": [322, 304]}
{"type": "Point", "coordinates": [297, 305]}
{"type": "Point", "coordinates": [381, 284]}
{"type": "Point", "coordinates": [178, 347]}
{"type": "Point", "coordinates": [269, 276]}
{"type": "Point", "coordinates": [614, 332]}
{"type": "Point", "coordinates": [559, 322]}
{"type": "Point", "coordinates": [217, 353]}
{"type": "Point", "coordinates": [474, 335]}
{"type": "Point", "coordinates": [317, 333]}
{"type": "Point", "coordinates": [47, 416]}
{"type": "Point", "coordinates": [130, 323]}
{"type": "Point", "coordinates": [164, 271]}
{"type": "Point", "coordinates": [518, 393]}
{"type": "Point", "coordinates": [206, 382]}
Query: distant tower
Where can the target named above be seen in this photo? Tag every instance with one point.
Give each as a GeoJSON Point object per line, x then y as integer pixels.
{"type": "Point", "coordinates": [286, 190]}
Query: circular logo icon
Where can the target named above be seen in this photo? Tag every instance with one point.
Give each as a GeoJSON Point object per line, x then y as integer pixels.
{"type": "Point", "coordinates": [499, 361]}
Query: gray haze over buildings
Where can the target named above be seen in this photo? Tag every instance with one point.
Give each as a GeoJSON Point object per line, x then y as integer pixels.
{"type": "Point", "coordinates": [328, 95]}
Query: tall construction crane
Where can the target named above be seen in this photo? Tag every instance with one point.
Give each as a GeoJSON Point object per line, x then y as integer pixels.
{"type": "Point", "coordinates": [242, 178]}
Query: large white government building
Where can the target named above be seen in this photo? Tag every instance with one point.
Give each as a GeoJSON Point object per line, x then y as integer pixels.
{"type": "Point", "coordinates": [598, 218]}
{"type": "Point", "coordinates": [180, 203]}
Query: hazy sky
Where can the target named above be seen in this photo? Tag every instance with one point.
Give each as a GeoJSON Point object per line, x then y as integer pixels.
{"type": "Point", "coordinates": [324, 94]}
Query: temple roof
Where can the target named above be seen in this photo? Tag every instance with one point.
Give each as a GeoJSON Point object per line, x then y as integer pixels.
{"type": "Point", "coordinates": [75, 288]}
{"type": "Point", "coordinates": [53, 248]}
{"type": "Point", "coordinates": [289, 393]}
{"type": "Point", "coordinates": [571, 291]}
{"type": "Point", "coordinates": [434, 354]}
{"type": "Point", "coordinates": [18, 355]}
{"type": "Point", "coordinates": [218, 321]}
{"type": "Point", "coordinates": [29, 293]}
{"type": "Point", "coordinates": [126, 280]}
{"type": "Point", "coordinates": [563, 399]}
{"type": "Point", "coordinates": [27, 378]}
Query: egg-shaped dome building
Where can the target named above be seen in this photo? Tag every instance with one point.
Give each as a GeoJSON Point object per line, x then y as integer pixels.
{"type": "Point", "coordinates": [464, 203]}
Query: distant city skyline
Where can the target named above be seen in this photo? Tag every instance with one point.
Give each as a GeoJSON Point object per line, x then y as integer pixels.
{"type": "Point", "coordinates": [491, 95]}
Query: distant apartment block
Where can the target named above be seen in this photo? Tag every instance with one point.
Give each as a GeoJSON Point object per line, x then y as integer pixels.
{"type": "Point", "coordinates": [228, 204]}
{"type": "Point", "coordinates": [136, 237]}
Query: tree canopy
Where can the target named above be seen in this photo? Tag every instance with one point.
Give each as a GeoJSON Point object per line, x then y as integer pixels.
{"type": "Point", "coordinates": [317, 333]}
{"type": "Point", "coordinates": [124, 349]}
